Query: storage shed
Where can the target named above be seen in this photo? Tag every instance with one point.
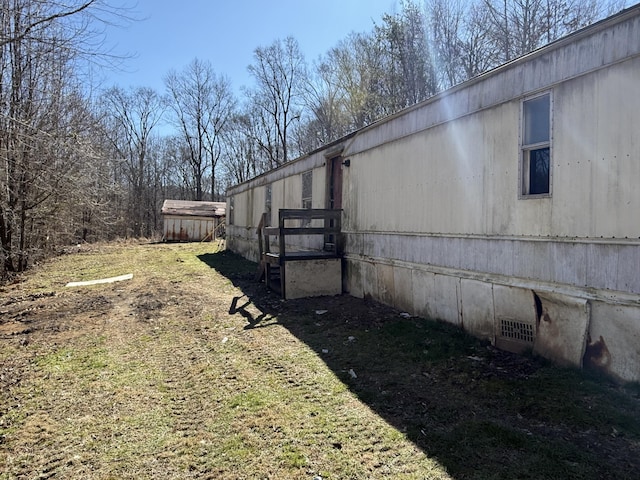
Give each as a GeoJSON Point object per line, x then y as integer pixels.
{"type": "Point", "coordinates": [191, 221]}
{"type": "Point", "coordinates": [507, 205]}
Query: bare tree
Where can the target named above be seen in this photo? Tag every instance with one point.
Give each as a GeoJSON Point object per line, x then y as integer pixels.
{"type": "Point", "coordinates": [407, 62]}
{"type": "Point", "coordinates": [566, 16]}
{"type": "Point", "coordinates": [447, 21]}
{"type": "Point", "coordinates": [176, 178]}
{"type": "Point", "coordinates": [477, 53]}
{"type": "Point", "coordinates": [95, 207]}
{"type": "Point", "coordinates": [357, 68]}
{"type": "Point", "coordinates": [45, 124]}
{"type": "Point", "coordinates": [520, 26]}
{"type": "Point", "coordinates": [130, 118]}
{"type": "Point", "coordinates": [280, 72]}
{"type": "Point", "coordinates": [367, 76]}
{"type": "Point", "coordinates": [324, 101]}
{"type": "Point", "coordinates": [39, 18]}
{"type": "Point", "coordinates": [417, 61]}
{"type": "Point", "coordinates": [202, 103]}
{"type": "Point", "coordinates": [242, 157]}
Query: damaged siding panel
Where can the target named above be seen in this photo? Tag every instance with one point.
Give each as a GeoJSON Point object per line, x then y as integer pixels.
{"type": "Point", "coordinates": [613, 341]}
{"type": "Point", "coordinates": [562, 328]}
{"type": "Point", "coordinates": [369, 280]}
{"type": "Point", "coordinates": [547, 321]}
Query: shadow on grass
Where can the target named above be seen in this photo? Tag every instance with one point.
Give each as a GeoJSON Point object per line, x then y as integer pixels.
{"type": "Point", "coordinates": [482, 413]}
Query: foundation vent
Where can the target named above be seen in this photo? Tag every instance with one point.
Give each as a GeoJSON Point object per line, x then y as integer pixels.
{"type": "Point", "coordinates": [523, 332]}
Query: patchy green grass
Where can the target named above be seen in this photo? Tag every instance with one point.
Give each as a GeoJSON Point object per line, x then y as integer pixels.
{"type": "Point", "coordinates": [192, 370]}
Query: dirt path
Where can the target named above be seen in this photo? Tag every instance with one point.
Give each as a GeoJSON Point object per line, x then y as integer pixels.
{"type": "Point", "coordinates": [153, 378]}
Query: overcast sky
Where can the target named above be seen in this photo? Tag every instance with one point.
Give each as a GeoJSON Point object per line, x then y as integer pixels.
{"type": "Point", "coordinates": [226, 32]}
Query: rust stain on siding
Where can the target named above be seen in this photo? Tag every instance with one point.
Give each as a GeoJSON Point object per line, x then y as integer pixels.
{"type": "Point", "coordinates": [597, 355]}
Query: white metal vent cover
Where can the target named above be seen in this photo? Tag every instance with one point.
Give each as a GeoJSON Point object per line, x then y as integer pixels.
{"type": "Point", "coordinates": [512, 329]}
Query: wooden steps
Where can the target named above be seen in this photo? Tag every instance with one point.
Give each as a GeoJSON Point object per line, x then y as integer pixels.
{"type": "Point", "coordinates": [273, 265]}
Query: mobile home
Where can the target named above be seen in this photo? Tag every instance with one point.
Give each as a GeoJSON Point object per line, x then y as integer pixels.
{"type": "Point", "coordinates": [508, 205]}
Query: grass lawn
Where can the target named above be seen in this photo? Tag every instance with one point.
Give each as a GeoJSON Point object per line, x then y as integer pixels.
{"type": "Point", "coordinates": [192, 370]}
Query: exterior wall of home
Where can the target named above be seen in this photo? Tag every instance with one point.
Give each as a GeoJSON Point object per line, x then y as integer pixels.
{"type": "Point", "coordinates": [434, 224]}
{"type": "Point", "coordinates": [286, 192]}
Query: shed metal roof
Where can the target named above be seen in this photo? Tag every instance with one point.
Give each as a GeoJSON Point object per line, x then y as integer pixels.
{"type": "Point", "coordinates": [193, 208]}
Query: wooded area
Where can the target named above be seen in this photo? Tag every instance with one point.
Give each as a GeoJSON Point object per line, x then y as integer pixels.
{"type": "Point", "coordinates": [84, 165]}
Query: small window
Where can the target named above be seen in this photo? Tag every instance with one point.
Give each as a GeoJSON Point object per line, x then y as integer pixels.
{"type": "Point", "coordinates": [536, 146]}
{"type": "Point", "coordinates": [230, 214]}
{"type": "Point", "coordinates": [307, 190]}
{"type": "Point", "coordinates": [267, 205]}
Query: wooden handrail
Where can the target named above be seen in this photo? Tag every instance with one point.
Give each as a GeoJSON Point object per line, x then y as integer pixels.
{"type": "Point", "coordinates": [300, 230]}
{"type": "Point", "coordinates": [309, 213]}
{"type": "Point", "coordinates": [332, 220]}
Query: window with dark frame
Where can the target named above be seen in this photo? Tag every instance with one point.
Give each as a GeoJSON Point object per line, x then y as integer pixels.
{"type": "Point", "coordinates": [267, 205]}
{"type": "Point", "coordinates": [307, 192]}
{"type": "Point", "coordinates": [536, 146]}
